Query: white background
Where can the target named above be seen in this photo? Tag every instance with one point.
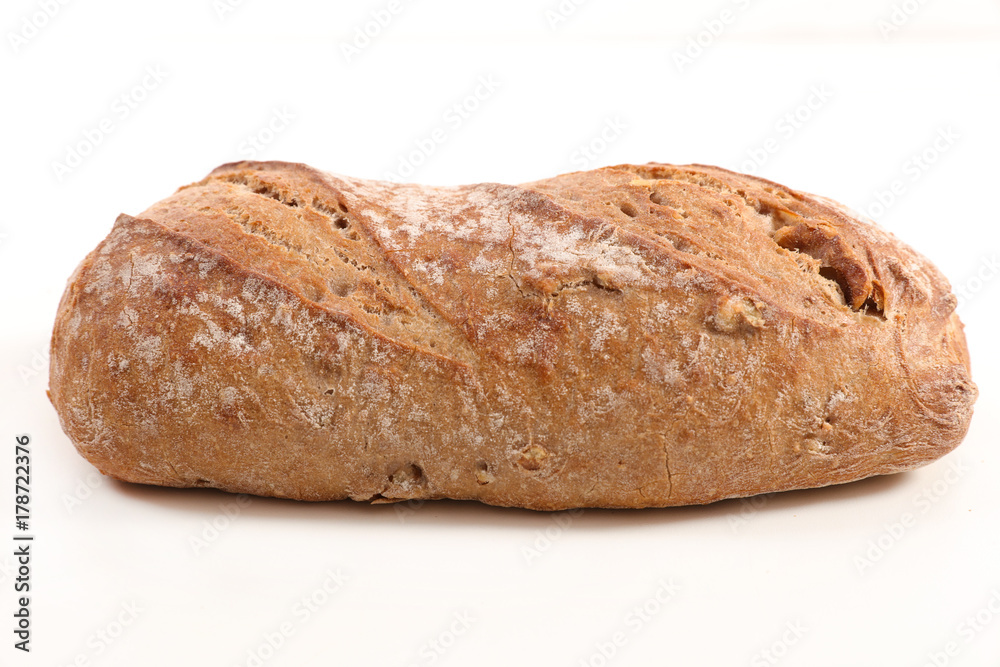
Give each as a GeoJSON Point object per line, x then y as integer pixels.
{"type": "Point", "coordinates": [118, 577]}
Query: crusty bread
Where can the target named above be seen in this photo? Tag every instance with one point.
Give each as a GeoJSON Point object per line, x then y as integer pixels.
{"type": "Point", "coordinates": [625, 337]}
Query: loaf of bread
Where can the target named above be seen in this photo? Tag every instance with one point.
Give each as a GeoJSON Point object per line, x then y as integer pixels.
{"type": "Point", "coordinates": [631, 336]}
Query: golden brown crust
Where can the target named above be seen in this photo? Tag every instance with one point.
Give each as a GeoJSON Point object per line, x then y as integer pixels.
{"type": "Point", "coordinates": [625, 337]}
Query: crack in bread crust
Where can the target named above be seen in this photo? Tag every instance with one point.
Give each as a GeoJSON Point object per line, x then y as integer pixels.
{"type": "Point", "coordinates": [326, 253]}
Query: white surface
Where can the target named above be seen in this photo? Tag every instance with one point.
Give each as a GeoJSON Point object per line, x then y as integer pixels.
{"type": "Point", "coordinates": [744, 570]}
